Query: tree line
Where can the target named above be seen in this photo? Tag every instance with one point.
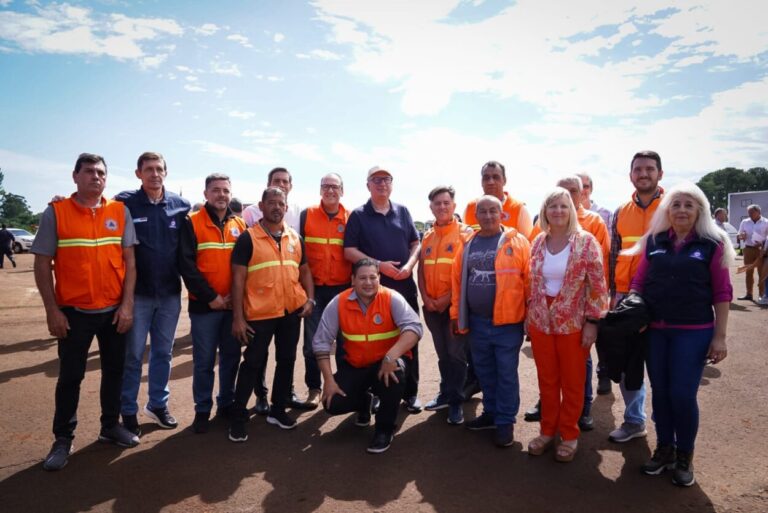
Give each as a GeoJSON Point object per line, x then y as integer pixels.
{"type": "Point", "coordinates": [15, 211]}
{"type": "Point", "coordinates": [718, 184]}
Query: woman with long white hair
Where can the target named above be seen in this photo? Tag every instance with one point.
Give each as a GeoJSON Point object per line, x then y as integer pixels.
{"type": "Point", "coordinates": [683, 277]}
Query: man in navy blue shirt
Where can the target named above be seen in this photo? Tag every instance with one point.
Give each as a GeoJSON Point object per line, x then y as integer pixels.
{"type": "Point", "coordinates": [158, 215]}
{"type": "Point", "coordinates": [384, 231]}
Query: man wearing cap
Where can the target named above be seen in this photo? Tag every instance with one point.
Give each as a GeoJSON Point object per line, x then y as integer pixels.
{"type": "Point", "coordinates": [384, 231]}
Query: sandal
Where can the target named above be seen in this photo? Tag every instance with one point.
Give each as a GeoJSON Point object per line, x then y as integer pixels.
{"type": "Point", "coordinates": [540, 445]}
{"type": "Point", "coordinates": [565, 452]}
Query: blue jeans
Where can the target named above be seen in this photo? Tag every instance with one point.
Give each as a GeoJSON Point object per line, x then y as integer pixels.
{"type": "Point", "coordinates": [212, 331]}
{"type": "Point", "coordinates": [496, 353]}
{"type": "Point", "coordinates": [675, 365]}
{"type": "Point", "coordinates": [634, 404]}
{"type": "Point", "coordinates": [451, 356]}
{"type": "Point", "coordinates": [156, 317]}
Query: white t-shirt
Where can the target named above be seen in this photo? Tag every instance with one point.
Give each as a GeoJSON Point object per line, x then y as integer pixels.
{"type": "Point", "coordinates": [756, 231]}
{"type": "Point", "coordinates": [253, 214]}
{"type": "Point", "coordinates": [554, 269]}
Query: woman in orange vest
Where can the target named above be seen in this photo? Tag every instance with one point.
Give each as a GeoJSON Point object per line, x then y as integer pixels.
{"type": "Point", "coordinates": [568, 297]}
{"type": "Point", "coordinates": [378, 330]}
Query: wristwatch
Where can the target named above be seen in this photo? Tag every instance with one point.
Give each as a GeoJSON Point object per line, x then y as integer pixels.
{"type": "Point", "coordinates": [311, 300]}
{"type": "Point", "coordinates": [387, 359]}
{"type": "Point", "coordinates": [593, 321]}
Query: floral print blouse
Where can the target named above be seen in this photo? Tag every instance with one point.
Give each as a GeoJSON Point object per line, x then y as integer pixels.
{"type": "Point", "coordinates": [584, 292]}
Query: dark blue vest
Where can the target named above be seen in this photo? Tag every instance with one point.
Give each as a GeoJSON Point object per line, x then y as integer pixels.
{"type": "Point", "coordinates": [678, 286]}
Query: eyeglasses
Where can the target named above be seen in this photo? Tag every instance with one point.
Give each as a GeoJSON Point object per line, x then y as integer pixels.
{"type": "Point", "coordinates": [378, 180]}
{"type": "Point", "coordinates": [330, 187]}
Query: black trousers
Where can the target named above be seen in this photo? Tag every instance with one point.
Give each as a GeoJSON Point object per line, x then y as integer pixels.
{"type": "Point", "coordinates": [286, 332]}
{"type": "Point", "coordinates": [356, 381]}
{"type": "Point", "coordinates": [412, 374]}
{"type": "Point", "coordinates": [73, 357]}
{"type": "Point", "coordinates": [6, 252]}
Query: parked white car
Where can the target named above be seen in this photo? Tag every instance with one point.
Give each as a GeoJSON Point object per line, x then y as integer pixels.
{"type": "Point", "coordinates": [732, 233]}
{"type": "Point", "coordinates": [23, 241]}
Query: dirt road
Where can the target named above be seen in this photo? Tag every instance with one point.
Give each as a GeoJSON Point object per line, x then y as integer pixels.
{"type": "Point", "coordinates": [323, 466]}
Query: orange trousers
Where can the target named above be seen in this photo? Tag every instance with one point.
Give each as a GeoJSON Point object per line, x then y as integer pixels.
{"type": "Point", "coordinates": [561, 365]}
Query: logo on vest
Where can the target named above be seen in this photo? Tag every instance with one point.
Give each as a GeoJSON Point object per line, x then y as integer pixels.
{"type": "Point", "coordinates": [291, 248]}
{"type": "Point", "coordinates": [428, 251]}
{"type": "Point", "coordinates": [111, 224]}
{"type": "Point", "coordinates": [697, 255]}
{"type": "Point", "coordinates": [449, 248]}
{"type": "Point", "coordinates": [235, 231]}
{"type": "Point", "coordinates": [505, 216]}
{"type": "Point", "coordinates": [508, 252]}
{"type": "Point", "coordinates": [377, 319]}
{"type": "Point", "coordinates": [173, 224]}
{"type": "Point", "coordinates": [340, 228]}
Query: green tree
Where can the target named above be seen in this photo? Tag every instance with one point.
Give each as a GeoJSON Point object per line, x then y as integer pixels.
{"type": "Point", "coordinates": [15, 211]}
{"type": "Point", "coordinates": [718, 184]}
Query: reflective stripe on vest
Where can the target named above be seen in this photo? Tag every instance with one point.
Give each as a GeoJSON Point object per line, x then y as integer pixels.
{"type": "Point", "coordinates": [214, 249]}
{"type": "Point", "coordinates": [372, 337]}
{"type": "Point", "coordinates": [272, 263]}
{"type": "Point", "coordinates": [320, 240]}
{"type": "Point", "coordinates": [324, 246]}
{"type": "Point", "coordinates": [632, 222]}
{"type": "Point", "coordinates": [86, 243]}
{"type": "Point", "coordinates": [215, 245]}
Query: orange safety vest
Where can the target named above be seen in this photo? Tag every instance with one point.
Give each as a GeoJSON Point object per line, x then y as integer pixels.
{"type": "Point", "coordinates": [510, 213]}
{"type": "Point", "coordinates": [438, 249]}
{"type": "Point", "coordinates": [214, 249]}
{"type": "Point", "coordinates": [324, 244]}
{"type": "Point", "coordinates": [89, 265]}
{"type": "Point", "coordinates": [272, 285]}
{"type": "Point", "coordinates": [512, 265]}
{"type": "Point", "coordinates": [367, 336]}
{"type": "Point", "coordinates": [632, 222]}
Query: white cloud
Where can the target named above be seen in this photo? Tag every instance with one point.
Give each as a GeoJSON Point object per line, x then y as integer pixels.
{"type": "Point", "coordinates": [207, 29]}
{"type": "Point", "coordinates": [540, 56]}
{"type": "Point", "coordinates": [323, 55]}
{"type": "Point", "coordinates": [305, 151]}
{"type": "Point", "coordinates": [263, 137]}
{"type": "Point", "coordinates": [194, 88]}
{"type": "Point", "coordinates": [226, 68]}
{"type": "Point", "coordinates": [153, 61]}
{"type": "Point", "coordinates": [191, 78]}
{"type": "Point", "coordinates": [5, 3]}
{"type": "Point", "coordinates": [241, 115]}
{"type": "Point", "coordinates": [273, 78]}
{"type": "Point", "coordinates": [278, 37]}
{"type": "Point", "coordinates": [265, 156]}
{"type": "Point", "coordinates": [184, 69]}
{"type": "Point", "coordinates": [241, 40]}
{"type": "Point", "coordinates": [62, 28]}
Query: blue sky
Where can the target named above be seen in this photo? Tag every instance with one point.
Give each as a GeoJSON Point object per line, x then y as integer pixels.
{"type": "Point", "coordinates": [431, 89]}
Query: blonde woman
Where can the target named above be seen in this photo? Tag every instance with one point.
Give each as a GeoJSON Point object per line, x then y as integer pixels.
{"type": "Point", "coordinates": [568, 297]}
{"type": "Point", "coordinates": [683, 277]}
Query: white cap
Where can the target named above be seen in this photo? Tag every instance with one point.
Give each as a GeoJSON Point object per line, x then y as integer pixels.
{"type": "Point", "coordinates": [377, 169]}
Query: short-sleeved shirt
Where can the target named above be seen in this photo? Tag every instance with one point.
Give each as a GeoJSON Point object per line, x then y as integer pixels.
{"type": "Point", "coordinates": [253, 215]}
{"type": "Point", "coordinates": [47, 239]}
{"type": "Point", "coordinates": [481, 277]}
{"type": "Point", "coordinates": [386, 237]}
{"type": "Point", "coordinates": [243, 250]}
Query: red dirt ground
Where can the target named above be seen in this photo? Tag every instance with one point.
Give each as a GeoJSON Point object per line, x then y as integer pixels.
{"type": "Point", "coordinates": [323, 466]}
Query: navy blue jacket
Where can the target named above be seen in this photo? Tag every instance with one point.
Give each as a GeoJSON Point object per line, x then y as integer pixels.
{"type": "Point", "coordinates": [157, 229]}
{"type": "Point", "coordinates": [678, 285]}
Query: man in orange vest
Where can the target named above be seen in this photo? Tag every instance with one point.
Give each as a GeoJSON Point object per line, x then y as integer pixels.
{"type": "Point", "coordinates": [628, 224]}
{"type": "Point", "coordinates": [514, 214]}
{"type": "Point", "coordinates": [271, 291]}
{"type": "Point", "coordinates": [592, 223]}
{"type": "Point", "coordinates": [493, 178]}
{"type": "Point", "coordinates": [322, 228]}
{"type": "Point", "coordinates": [489, 288]}
{"type": "Point", "coordinates": [90, 240]}
{"type": "Point", "coordinates": [438, 248]}
{"type": "Point", "coordinates": [379, 330]}
{"type": "Point", "coordinates": [206, 241]}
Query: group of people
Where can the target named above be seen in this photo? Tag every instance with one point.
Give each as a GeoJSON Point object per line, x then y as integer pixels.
{"type": "Point", "coordinates": [484, 284]}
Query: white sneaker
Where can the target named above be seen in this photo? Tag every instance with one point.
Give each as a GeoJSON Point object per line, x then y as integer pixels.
{"type": "Point", "coordinates": [763, 301]}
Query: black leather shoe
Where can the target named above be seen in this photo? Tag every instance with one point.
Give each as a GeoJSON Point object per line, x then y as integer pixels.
{"type": "Point", "coordinates": [297, 404]}
{"type": "Point", "coordinates": [200, 424]}
{"type": "Point", "coordinates": [603, 386]}
{"type": "Point", "coordinates": [261, 408]}
{"type": "Point", "coordinates": [533, 414]}
{"type": "Point", "coordinates": [471, 389]}
{"type": "Point", "coordinates": [746, 297]}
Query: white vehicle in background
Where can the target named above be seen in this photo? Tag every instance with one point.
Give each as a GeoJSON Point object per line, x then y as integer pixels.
{"type": "Point", "coordinates": [732, 233]}
{"type": "Point", "coordinates": [23, 241]}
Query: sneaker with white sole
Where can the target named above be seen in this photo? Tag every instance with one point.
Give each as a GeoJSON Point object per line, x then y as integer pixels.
{"type": "Point", "coordinates": [626, 432]}
{"type": "Point", "coordinates": [161, 416]}
{"type": "Point", "coordinates": [118, 435]}
{"type": "Point", "coordinates": [380, 442]}
{"type": "Point", "coordinates": [280, 419]}
{"type": "Point", "coordinates": [238, 432]}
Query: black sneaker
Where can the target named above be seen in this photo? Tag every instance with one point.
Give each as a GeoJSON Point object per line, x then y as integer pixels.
{"type": "Point", "coordinates": [364, 415]}
{"type": "Point", "coordinates": [663, 459]}
{"type": "Point", "coordinates": [161, 416]}
{"type": "Point", "coordinates": [238, 432]}
{"type": "Point", "coordinates": [603, 385]}
{"type": "Point", "coordinates": [131, 423]}
{"type": "Point", "coordinates": [412, 404]}
{"type": "Point", "coordinates": [380, 442]}
{"type": "Point", "coordinates": [201, 423]}
{"type": "Point", "coordinates": [224, 412]}
{"type": "Point", "coordinates": [14, 263]}
{"type": "Point", "coordinates": [375, 404]}
{"type": "Point", "coordinates": [58, 455]}
{"type": "Point", "coordinates": [505, 435]}
{"type": "Point", "coordinates": [533, 414]}
{"type": "Point", "coordinates": [484, 421]}
{"type": "Point", "coordinates": [261, 408]}
{"type": "Point", "coordinates": [118, 435]}
{"type": "Point", "coordinates": [682, 475]}
{"type": "Point", "coordinates": [471, 389]}
{"type": "Point", "coordinates": [281, 419]}
{"type": "Point", "coordinates": [586, 422]}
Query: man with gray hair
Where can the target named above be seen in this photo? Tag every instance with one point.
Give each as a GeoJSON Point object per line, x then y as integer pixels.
{"type": "Point", "coordinates": [588, 188]}
{"type": "Point", "coordinates": [753, 231]}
